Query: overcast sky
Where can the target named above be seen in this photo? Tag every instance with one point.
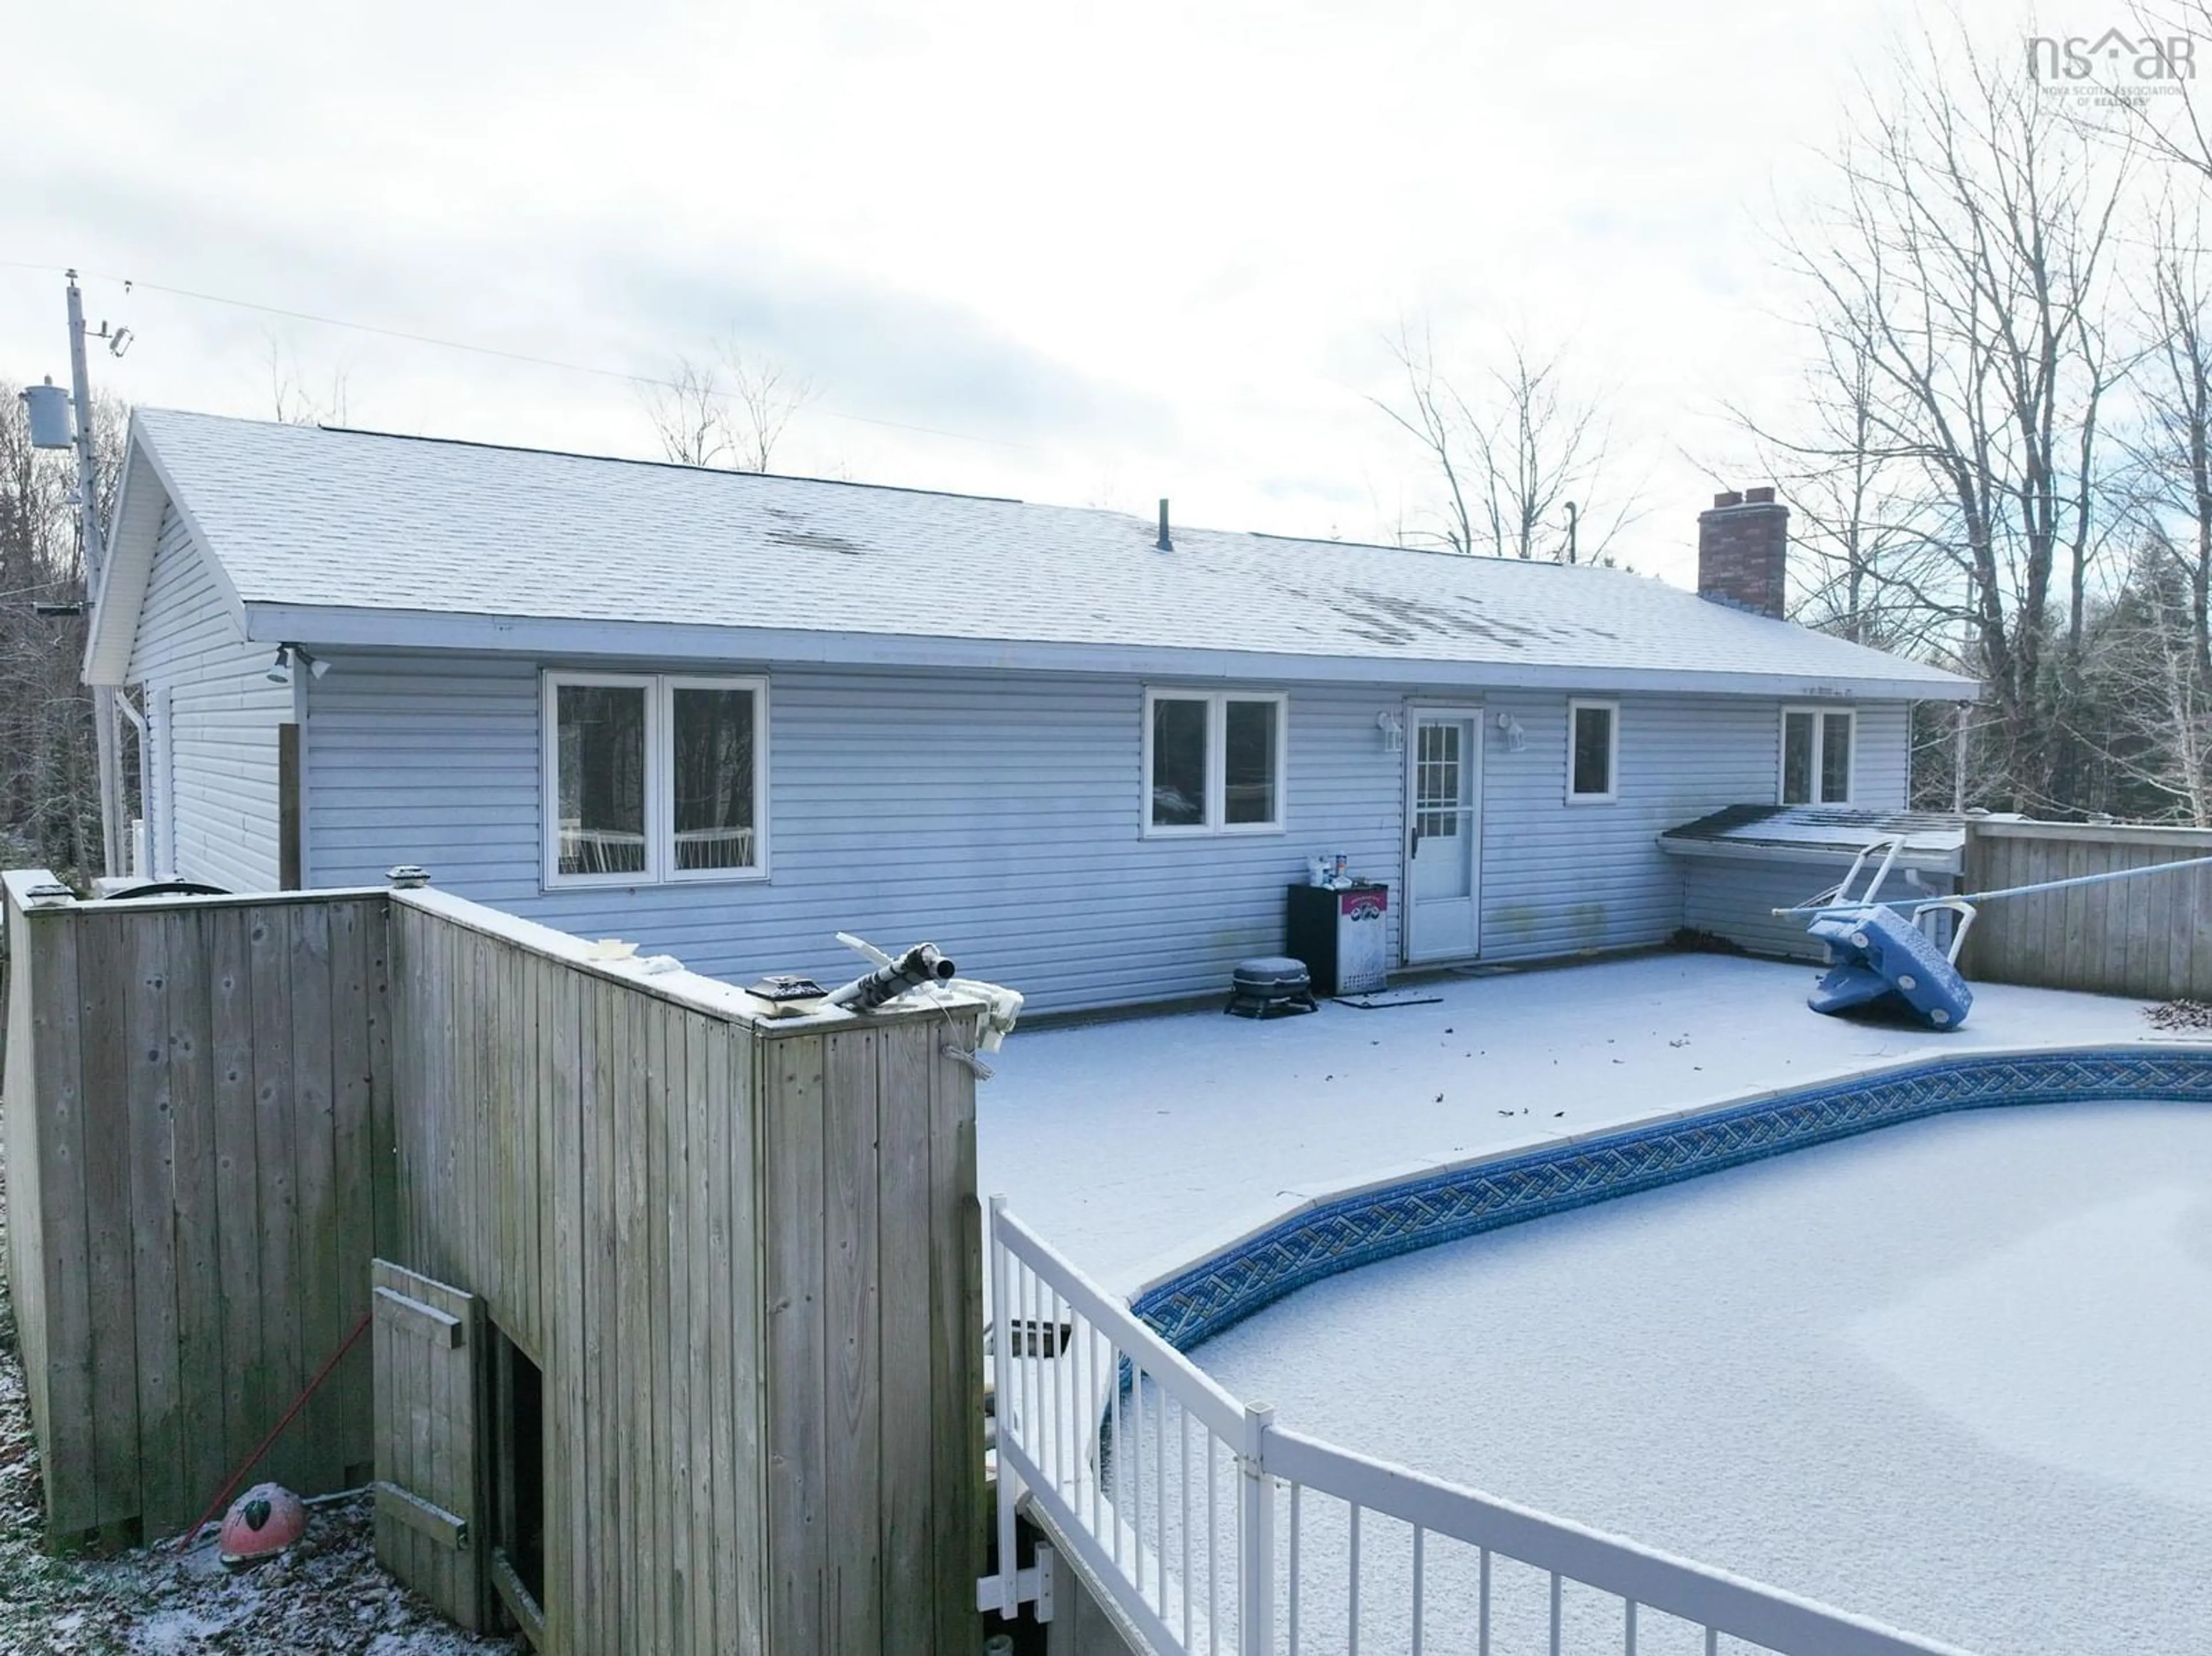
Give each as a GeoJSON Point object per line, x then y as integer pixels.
{"type": "Point", "coordinates": [1102, 254]}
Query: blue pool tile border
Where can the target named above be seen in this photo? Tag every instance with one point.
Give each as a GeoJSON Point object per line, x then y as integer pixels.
{"type": "Point", "coordinates": [1424, 1209]}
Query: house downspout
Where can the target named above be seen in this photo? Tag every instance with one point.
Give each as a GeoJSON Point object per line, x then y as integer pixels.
{"type": "Point", "coordinates": [131, 710]}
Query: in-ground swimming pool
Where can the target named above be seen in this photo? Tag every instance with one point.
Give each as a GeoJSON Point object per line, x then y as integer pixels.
{"type": "Point", "coordinates": [1955, 1373]}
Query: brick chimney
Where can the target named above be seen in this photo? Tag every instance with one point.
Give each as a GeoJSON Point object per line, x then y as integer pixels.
{"type": "Point", "coordinates": [1743, 551]}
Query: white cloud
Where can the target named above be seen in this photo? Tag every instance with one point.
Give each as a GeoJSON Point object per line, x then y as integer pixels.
{"type": "Point", "coordinates": [1141, 250]}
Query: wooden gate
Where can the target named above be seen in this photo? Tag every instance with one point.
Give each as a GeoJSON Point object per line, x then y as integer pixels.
{"type": "Point", "coordinates": [429, 1474]}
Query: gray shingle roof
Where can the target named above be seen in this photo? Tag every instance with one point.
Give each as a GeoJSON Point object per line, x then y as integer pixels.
{"type": "Point", "coordinates": [1824, 832]}
{"type": "Point", "coordinates": [331, 519]}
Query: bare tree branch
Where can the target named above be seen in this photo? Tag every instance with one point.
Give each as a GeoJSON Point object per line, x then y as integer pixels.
{"type": "Point", "coordinates": [731, 410]}
{"type": "Point", "coordinates": [1512, 446]}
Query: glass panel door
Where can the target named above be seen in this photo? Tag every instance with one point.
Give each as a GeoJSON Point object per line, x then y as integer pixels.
{"type": "Point", "coordinates": [1443, 839]}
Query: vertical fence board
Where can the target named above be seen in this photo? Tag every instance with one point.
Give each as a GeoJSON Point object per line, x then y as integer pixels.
{"type": "Point", "coordinates": [632, 1263]}
{"type": "Point", "coordinates": [353, 1162]}
{"type": "Point", "coordinates": [248, 1409]}
{"type": "Point", "coordinates": [956, 1296]}
{"type": "Point", "coordinates": [66, 1391]}
{"type": "Point", "coordinates": [909, 1487]}
{"type": "Point", "coordinates": [315, 1156]}
{"type": "Point", "coordinates": [711, 1068]}
{"type": "Point", "coordinates": [851, 1287]}
{"type": "Point", "coordinates": [2180, 922]}
{"type": "Point", "coordinates": [671, 1346]}
{"type": "Point", "coordinates": [147, 1128]}
{"type": "Point", "coordinates": [377, 922]}
{"type": "Point", "coordinates": [276, 1126]}
{"type": "Point", "coordinates": [734, 1068]}
{"type": "Point", "coordinates": [703, 1195]}
{"type": "Point", "coordinates": [2148, 914]}
{"type": "Point", "coordinates": [791, 1190]}
{"type": "Point", "coordinates": [568, 1310]}
{"type": "Point", "coordinates": [603, 1314]}
{"type": "Point", "coordinates": [203, 1460]}
{"type": "Point", "coordinates": [2035, 861]}
{"type": "Point", "coordinates": [104, 966]}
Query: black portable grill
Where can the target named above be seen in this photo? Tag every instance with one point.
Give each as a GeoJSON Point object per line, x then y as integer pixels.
{"type": "Point", "coordinates": [1270, 985]}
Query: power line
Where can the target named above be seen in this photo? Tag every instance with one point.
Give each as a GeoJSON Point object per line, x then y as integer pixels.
{"type": "Point", "coordinates": [318, 320]}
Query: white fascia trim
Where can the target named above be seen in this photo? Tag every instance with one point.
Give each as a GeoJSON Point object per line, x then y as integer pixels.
{"type": "Point", "coordinates": [110, 643]}
{"type": "Point", "coordinates": [670, 641]}
{"type": "Point", "coordinates": [1771, 851]}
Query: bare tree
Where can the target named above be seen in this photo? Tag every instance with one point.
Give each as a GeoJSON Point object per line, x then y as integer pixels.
{"type": "Point", "coordinates": [2163, 109]}
{"type": "Point", "coordinates": [1433, 417]}
{"type": "Point", "coordinates": [290, 401]}
{"type": "Point", "coordinates": [1855, 555]}
{"type": "Point", "coordinates": [731, 410]}
{"type": "Point", "coordinates": [2172, 447]}
{"type": "Point", "coordinates": [1519, 457]}
{"type": "Point", "coordinates": [2146, 701]}
{"type": "Point", "coordinates": [689, 414]}
{"type": "Point", "coordinates": [48, 776]}
{"type": "Point", "coordinates": [1963, 273]}
{"type": "Point", "coordinates": [764, 398]}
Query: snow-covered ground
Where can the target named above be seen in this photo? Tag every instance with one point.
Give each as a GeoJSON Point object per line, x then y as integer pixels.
{"type": "Point", "coordinates": [1133, 1144]}
{"type": "Point", "coordinates": [1951, 1374]}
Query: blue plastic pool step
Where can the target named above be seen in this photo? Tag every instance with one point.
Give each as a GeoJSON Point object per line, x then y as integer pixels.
{"type": "Point", "coordinates": [1881, 959]}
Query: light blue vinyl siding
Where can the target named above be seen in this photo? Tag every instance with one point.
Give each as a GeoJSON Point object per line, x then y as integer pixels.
{"type": "Point", "coordinates": [1559, 879]}
{"type": "Point", "coordinates": [998, 815]}
{"type": "Point", "coordinates": [212, 815]}
{"type": "Point", "coordinates": [1736, 899]}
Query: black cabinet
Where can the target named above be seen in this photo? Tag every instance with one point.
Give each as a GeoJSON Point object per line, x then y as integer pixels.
{"type": "Point", "coordinates": [1342, 935]}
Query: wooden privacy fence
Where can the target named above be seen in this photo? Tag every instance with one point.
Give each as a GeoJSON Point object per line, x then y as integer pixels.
{"type": "Point", "coordinates": [745, 1254]}
{"type": "Point", "coordinates": [729, 1257]}
{"type": "Point", "coordinates": [195, 1105]}
{"type": "Point", "coordinates": [2150, 937]}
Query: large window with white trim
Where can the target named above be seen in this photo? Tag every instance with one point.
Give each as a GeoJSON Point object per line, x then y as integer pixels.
{"type": "Point", "coordinates": [1818, 748]}
{"type": "Point", "coordinates": [1213, 762]}
{"type": "Point", "coordinates": [653, 778]}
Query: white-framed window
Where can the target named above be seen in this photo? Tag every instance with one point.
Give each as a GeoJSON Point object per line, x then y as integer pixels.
{"type": "Point", "coordinates": [1818, 748]}
{"type": "Point", "coordinates": [1213, 762]}
{"type": "Point", "coordinates": [654, 777]}
{"type": "Point", "coordinates": [1593, 752]}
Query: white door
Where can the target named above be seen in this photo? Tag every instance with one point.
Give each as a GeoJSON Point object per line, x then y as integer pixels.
{"type": "Point", "coordinates": [1444, 821]}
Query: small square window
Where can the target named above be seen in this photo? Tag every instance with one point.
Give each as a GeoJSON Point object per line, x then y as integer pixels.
{"type": "Point", "coordinates": [1593, 751]}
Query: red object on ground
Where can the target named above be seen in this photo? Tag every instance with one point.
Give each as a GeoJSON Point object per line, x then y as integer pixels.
{"type": "Point", "coordinates": [276, 1431]}
{"type": "Point", "coordinates": [263, 1521]}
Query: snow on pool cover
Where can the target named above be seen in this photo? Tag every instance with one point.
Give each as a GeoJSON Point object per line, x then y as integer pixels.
{"type": "Point", "coordinates": [1952, 1375]}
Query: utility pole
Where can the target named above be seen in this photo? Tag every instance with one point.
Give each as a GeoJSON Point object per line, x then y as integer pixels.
{"type": "Point", "coordinates": [1574, 520]}
{"type": "Point", "coordinates": [105, 733]}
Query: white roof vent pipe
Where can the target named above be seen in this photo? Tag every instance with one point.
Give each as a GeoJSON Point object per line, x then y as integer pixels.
{"type": "Point", "coordinates": [1166, 545]}
{"type": "Point", "coordinates": [50, 426]}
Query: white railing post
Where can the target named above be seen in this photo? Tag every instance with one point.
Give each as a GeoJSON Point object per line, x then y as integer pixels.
{"type": "Point", "coordinates": [1255, 1537]}
{"type": "Point", "coordinates": [1002, 1371]}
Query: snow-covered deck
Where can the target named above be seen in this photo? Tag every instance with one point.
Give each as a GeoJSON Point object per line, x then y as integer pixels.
{"type": "Point", "coordinates": [1136, 1145]}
